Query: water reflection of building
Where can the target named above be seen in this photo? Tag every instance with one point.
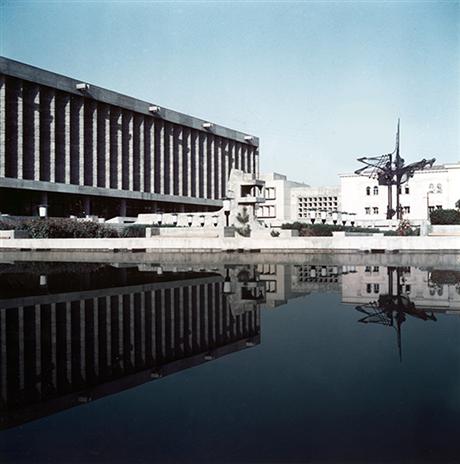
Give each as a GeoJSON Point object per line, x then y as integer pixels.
{"type": "Point", "coordinates": [368, 282]}
{"type": "Point", "coordinates": [60, 349]}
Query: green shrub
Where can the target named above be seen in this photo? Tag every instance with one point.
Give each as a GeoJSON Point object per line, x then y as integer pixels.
{"type": "Point", "coordinates": [324, 230]}
{"type": "Point", "coordinates": [445, 217]}
{"type": "Point", "coordinates": [275, 233]}
{"type": "Point", "coordinates": [135, 230]}
{"type": "Point", "coordinates": [244, 231]}
{"type": "Point", "coordinates": [63, 228]}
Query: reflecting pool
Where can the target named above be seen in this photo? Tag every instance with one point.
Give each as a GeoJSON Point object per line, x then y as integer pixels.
{"type": "Point", "coordinates": [141, 362]}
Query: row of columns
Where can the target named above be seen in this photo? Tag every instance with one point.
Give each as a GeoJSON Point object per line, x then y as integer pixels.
{"type": "Point", "coordinates": [49, 135]}
{"type": "Point", "coordinates": [80, 342]}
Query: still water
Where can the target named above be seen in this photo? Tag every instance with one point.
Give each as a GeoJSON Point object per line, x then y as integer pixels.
{"type": "Point", "coordinates": [231, 363]}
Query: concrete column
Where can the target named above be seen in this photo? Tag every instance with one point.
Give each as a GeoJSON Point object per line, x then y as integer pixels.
{"type": "Point", "coordinates": [118, 149]}
{"type": "Point", "coordinates": [238, 156]}
{"type": "Point", "coordinates": [220, 164]}
{"type": "Point", "coordinates": [180, 154]}
{"type": "Point", "coordinates": [66, 138]}
{"type": "Point", "coordinates": [152, 156]}
{"type": "Point", "coordinates": [81, 141]}
{"type": "Point", "coordinates": [162, 158]}
{"type": "Point", "coordinates": [106, 129]}
{"type": "Point", "coordinates": [226, 169]}
{"type": "Point", "coordinates": [141, 149]}
{"type": "Point", "coordinates": [2, 125]}
{"type": "Point", "coordinates": [257, 163]}
{"type": "Point", "coordinates": [181, 320]}
{"type": "Point", "coordinates": [20, 126]}
{"type": "Point", "coordinates": [171, 158]}
{"type": "Point", "coordinates": [122, 207]}
{"type": "Point", "coordinates": [35, 97]}
{"type": "Point", "coordinates": [212, 167]}
{"type": "Point", "coordinates": [93, 143]}
{"type": "Point", "coordinates": [87, 205]}
{"type": "Point", "coordinates": [197, 164]}
{"type": "Point", "coordinates": [52, 151]}
{"type": "Point", "coordinates": [173, 321]}
{"type": "Point", "coordinates": [199, 306]}
{"type": "Point", "coordinates": [163, 323]}
{"type": "Point", "coordinates": [130, 136]}
{"type": "Point", "coordinates": [204, 166]}
{"type": "Point", "coordinates": [188, 154]}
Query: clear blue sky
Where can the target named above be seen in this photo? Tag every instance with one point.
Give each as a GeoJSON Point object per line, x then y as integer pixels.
{"type": "Point", "coordinates": [319, 82]}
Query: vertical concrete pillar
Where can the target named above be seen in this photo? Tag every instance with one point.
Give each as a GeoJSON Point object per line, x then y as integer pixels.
{"type": "Point", "coordinates": [188, 155]}
{"type": "Point", "coordinates": [162, 169]}
{"type": "Point", "coordinates": [238, 156]}
{"type": "Point", "coordinates": [163, 323]}
{"type": "Point", "coordinates": [219, 167]}
{"type": "Point", "coordinates": [197, 163]}
{"type": "Point", "coordinates": [80, 143]}
{"type": "Point", "coordinates": [180, 154]}
{"type": "Point", "coordinates": [2, 125]}
{"type": "Point", "coordinates": [93, 143]}
{"type": "Point", "coordinates": [20, 127]}
{"type": "Point", "coordinates": [52, 132]}
{"type": "Point", "coordinates": [118, 149]}
{"type": "Point", "coordinates": [35, 97]}
{"type": "Point", "coordinates": [257, 163]}
{"type": "Point", "coordinates": [106, 131]}
{"type": "Point", "coordinates": [132, 342]}
{"type": "Point", "coordinates": [151, 154]}
{"type": "Point", "coordinates": [66, 138]}
{"type": "Point", "coordinates": [211, 167]}
{"type": "Point", "coordinates": [87, 205]}
{"type": "Point", "coordinates": [122, 207]}
{"type": "Point", "coordinates": [120, 331]}
{"type": "Point", "coordinates": [171, 159]}
{"type": "Point", "coordinates": [130, 137]}
{"type": "Point", "coordinates": [141, 155]}
{"type": "Point", "coordinates": [153, 327]}
{"type": "Point", "coordinates": [204, 166]}
{"type": "Point", "coordinates": [226, 168]}
{"type": "Point", "coordinates": [53, 344]}
{"type": "Point", "coordinates": [142, 327]}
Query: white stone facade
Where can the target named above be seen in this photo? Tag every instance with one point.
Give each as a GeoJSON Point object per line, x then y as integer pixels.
{"type": "Point", "coordinates": [434, 188]}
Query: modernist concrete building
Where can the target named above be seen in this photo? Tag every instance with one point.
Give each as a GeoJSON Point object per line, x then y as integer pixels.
{"type": "Point", "coordinates": [84, 149]}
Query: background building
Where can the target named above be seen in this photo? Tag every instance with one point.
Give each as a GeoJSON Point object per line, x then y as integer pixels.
{"type": "Point", "coordinates": [433, 188]}
{"type": "Point", "coordinates": [84, 149]}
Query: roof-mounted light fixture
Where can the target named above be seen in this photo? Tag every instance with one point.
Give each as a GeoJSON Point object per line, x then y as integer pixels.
{"type": "Point", "coordinates": [83, 86]}
{"type": "Point", "coordinates": [249, 138]}
{"type": "Point", "coordinates": [208, 125]}
{"type": "Point", "coordinates": [154, 109]}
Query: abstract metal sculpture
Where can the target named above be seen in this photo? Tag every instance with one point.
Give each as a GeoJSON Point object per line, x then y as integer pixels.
{"type": "Point", "coordinates": [391, 309]}
{"type": "Point", "coordinates": [390, 170]}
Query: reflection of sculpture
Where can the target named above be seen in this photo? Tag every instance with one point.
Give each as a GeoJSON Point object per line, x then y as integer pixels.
{"type": "Point", "coordinates": [391, 172]}
{"type": "Point", "coordinates": [391, 309]}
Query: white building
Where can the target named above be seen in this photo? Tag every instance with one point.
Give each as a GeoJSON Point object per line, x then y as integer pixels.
{"type": "Point", "coordinates": [433, 188]}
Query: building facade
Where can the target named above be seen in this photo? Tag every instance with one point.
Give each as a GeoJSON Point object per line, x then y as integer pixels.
{"type": "Point", "coordinates": [433, 188]}
{"type": "Point", "coordinates": [81, 149]}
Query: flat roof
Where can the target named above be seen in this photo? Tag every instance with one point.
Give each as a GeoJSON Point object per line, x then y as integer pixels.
{"type": "Point", "coordinates": [40, 76]}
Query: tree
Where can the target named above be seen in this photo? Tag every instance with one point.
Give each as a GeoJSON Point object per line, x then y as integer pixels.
{"type": "Point", "coordinates": [457, 204]}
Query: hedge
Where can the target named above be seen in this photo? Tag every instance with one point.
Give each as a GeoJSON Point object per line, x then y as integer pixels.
{"type": "Point", "coordinates": [445, 217]}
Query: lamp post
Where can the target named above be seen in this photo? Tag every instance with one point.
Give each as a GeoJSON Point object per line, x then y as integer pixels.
{"type": "Point", "coordinates": [226, 206]}
{"type": "Point", "coordinates": [43, 211]}
{"type": "Point", "coordinates": [335, 216]}
{"type": "Point", "coordinates": [323, 216]}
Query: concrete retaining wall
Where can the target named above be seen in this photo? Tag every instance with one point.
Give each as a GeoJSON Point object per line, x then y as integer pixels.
{"type": "Point", "coordinates": [376, 244]}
